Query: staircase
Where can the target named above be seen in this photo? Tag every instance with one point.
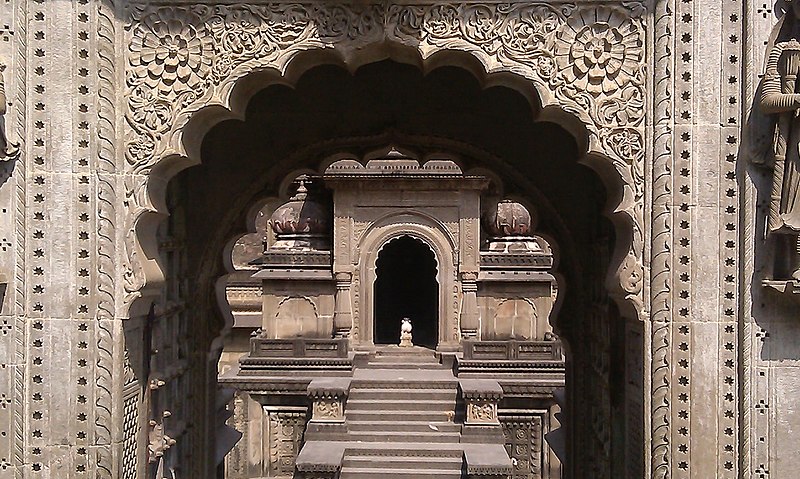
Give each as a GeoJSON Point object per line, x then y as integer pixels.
{"type": "Point", "coordinates": [400, 417]}
{"type": "Point", "coordinates": [400, 413]}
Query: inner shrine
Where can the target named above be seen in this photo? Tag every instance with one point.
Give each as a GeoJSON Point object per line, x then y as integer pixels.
{"type": "Point", "coordinates": [370, 243]}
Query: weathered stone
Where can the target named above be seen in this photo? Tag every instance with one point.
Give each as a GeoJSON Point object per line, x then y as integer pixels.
{"type": "Point", "coordinates": [145, 146]}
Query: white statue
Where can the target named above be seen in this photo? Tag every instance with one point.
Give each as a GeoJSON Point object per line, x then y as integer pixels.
{"type": "Point", "coordinates": [405, 333]}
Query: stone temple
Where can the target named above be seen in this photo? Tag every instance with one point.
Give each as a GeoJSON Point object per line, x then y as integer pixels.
{"type": "Point", "coordinates": [476, 239]}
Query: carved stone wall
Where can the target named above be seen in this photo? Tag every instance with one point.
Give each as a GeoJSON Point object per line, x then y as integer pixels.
{"type": "Point", "coordinates": [535, 41]}
{"type": "Point", "coordinates": [106, 112]}
{"type": "Point", "coordinates": [768, 353]}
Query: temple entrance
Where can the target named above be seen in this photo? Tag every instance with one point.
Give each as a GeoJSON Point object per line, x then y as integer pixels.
{"type": "Point", "coordinates": [406, 287]}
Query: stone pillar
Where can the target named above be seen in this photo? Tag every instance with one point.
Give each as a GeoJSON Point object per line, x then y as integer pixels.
{"type": "Point", "coordinates": [470, 315]}
{"type": "Point", "coordinates": [342, 311]}
{"type": "Point", "coordinates": [328, 398]}
{"type": "Point", "coordinates": [485, 455]}
{"type": "Point", "coordinates": [481, 397]}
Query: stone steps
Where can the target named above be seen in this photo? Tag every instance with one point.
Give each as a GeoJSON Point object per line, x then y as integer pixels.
{"type": "Point", "coordinates": [403, 394]}
{"type": "Point", "coordinates": [395, 364]}
{"type": "Point", "coordinates": [403, 462]}
{"type": "Point", "coordinates": [372, 473]}
{"type": "Point", "coordinates": [399, 416]}
{"type": "Point", "coordinates": [399, 420]}
{"type": "Point", "coordinates": [392, 424]}
{"type": "Point", "coordinates": [400, 409]}
{"type": "Point", "coordinates": [406, 460]}
{"type": "Point", "coordinates": [381, 356]}
{"type": "Point", "coordinates": [404, 384]}
{"type": "Point", "coordinates": [404, 436]}
{"type": "Point", "coordinates": [427, 405]}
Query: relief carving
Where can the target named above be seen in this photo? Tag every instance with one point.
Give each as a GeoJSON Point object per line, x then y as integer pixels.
{"type": "Point", "coordinates": [328, 409]}
{"type": "Point", "coordinates": [523, 437]}
{"type": "Point", "coordinates": [601, 55]}
{"type": "Point", "coordinates": [590, 58]}
{"type": "Point", "coordinates": [285, 438]}
{"type": "Point", "coordinates": [780, 99]}
{"type": "Point", "coordinates": [481, 411]}
{"type": "Point", "coordinates": [8, 149]}
{"type": "Point", "coordinates": [587, 59]}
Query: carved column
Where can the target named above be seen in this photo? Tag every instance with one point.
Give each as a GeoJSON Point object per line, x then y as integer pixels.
{"type": "Point", "coordinates": [485, 457]}
{"type": "Point", "coordinates": [342, 312]}
{"type": "Point", "coordinates": [285, 427]}
{"type": "Point", "coordinates": [470, 315]}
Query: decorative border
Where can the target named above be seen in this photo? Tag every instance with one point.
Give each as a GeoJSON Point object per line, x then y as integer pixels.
{"type": "Point", "coordinates": [20, 324]}
{"type": "Point", "coordinates": [106, 200]}
{"type": "Point", "coordinates": [660, 414]}
{"type": "Point", "coordinates": [731, 117]}
{"type": "Point", "coordinates": [684, 173]}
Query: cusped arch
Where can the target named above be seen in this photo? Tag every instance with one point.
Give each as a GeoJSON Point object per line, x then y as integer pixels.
{"type": "Point", "coordinates": [165, 123]}
{"type": "Point", "coordinates": [444, 241]}
{"type": "Point", "coordinates": [436, 237]}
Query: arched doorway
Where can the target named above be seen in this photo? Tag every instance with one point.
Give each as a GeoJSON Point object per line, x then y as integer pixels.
{"type": "Point", "coordinates": [406, 287]}
{"type": "Point", "coordinates": [492, 128]}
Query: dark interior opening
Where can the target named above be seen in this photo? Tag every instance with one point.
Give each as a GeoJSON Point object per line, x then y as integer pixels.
{"type": "Point", "coordinates": [406, 287]}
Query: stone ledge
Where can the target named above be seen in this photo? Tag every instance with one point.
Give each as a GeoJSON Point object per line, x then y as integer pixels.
{"type": "Point", "coordinates": [480, 389]}
{"type": "Point", "coordinates": [329, 387]}
{"type": "Point", "coordinates": [543, 352]}
{"type": "Point", "coordinates": [320, 456]}
{"type": "Point", "coordinates": [790, 288]}
{"type": "Point", "coordinates": [487, 460]}
{"type": "Point", "coordinates": [312, 348]}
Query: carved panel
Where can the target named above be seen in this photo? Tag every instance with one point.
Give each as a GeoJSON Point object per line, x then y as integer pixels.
{"type": "Point", "coordinates": [481, 411]}
{"type": "Point", "coordinates": [295, 317]}
{"type": "Point", "coordinates": [130, 428]}
{"type": "Point", "coordinates": [328, 409]}
{"type": "Point", "coordinates": [523, 437]}
{"type": "Point", "coordinates": [549, 43]}
{"type": "Point", "coordinates": [285, 433]}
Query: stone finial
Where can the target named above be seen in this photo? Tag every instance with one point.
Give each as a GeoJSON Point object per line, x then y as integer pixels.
{"type": "Point", "coordinates": [509, 219]}
{"type": "Point", "coordinates": [302, 222]}
{"type": "Point", "coordinates": [510, 228]}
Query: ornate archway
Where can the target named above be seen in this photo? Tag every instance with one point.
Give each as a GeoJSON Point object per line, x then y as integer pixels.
{"type": "Point", "coordinates": [406, 287]}
{"type": "Point", "coordinates": [238, 50]}
{"type": "Point", "coordinates": [168, 118]}
{"type": "Point", "coordinates": [422, 229]}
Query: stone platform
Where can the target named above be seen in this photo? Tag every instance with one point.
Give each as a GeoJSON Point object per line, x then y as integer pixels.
{"type": "Point", "coordinates": [402, 417]}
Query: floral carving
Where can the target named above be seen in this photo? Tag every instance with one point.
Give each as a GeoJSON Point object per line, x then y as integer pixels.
{"type": "Point", "coordinates": [600, 51]}
{"type": "Point", "coordinates": [150, 109]}
{"type": "Point", "coordinates": [588, 59]}
{"type": "Point", "coordinates": [172, 51]}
